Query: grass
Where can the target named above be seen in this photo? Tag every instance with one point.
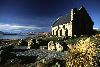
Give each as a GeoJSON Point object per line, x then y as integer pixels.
{"type": "Point", "coordinates": [84, 53]}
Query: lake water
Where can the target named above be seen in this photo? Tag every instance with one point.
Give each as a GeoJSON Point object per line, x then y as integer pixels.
{"type": "Point", "coordinates": [15, 36]}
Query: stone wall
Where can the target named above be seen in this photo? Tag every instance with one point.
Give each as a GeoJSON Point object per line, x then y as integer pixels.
{"type": "Point", "coordinates": [62, 30]}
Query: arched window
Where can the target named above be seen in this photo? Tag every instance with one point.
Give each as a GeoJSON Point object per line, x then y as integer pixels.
{"type": "Point", "coordinates": [66, 32]}
{"type": "Point", "coordinates": [64, 26]}
{"type": "Point", "coordinates": [60, 32]}
{"type": "Point", "coordinates": [53, 32]}
{"type": "Point", "coordinates": [57, 33]}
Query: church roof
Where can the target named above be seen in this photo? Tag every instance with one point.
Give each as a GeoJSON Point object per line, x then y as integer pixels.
{"type": "Point", "coordinates": [62, 20]}
{"type": "Point", "coordinates": [67, 17]}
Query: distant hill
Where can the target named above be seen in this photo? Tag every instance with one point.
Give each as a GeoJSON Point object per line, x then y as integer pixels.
{"type": "Point", "coordinates": [97, 30]}
{"type": "Point", "coordinates": [7, 33]}
{"type": "Point", "coordinates": [1, 32]}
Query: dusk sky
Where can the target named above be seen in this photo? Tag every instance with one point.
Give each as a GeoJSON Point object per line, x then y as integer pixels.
{"type": "Point", "coordinates": [39, 15]}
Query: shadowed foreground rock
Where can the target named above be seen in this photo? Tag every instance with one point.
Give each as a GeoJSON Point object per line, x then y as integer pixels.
{"type": "Point", "coordinates": [30, 58]}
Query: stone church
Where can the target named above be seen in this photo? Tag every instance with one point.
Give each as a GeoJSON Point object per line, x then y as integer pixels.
{"type": "Point", "coordinates": [77, 22]}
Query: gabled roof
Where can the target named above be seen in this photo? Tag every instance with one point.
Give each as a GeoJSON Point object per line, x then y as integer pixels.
{"type": "Point", "coordinates": [67, 18]}
{"type": "Point", "coordinates": [62, 20]}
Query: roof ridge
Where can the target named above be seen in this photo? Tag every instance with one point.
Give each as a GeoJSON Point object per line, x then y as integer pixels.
{"type": "Point", "coordinates": [62, 19]}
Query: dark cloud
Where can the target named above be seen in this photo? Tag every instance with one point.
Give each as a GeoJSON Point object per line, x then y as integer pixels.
{"type": "Point", "coordinates": [43, 12]}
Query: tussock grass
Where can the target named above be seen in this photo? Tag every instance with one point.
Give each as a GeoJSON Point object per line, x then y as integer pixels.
{"type": "Point", "coordinates": [84, 53]}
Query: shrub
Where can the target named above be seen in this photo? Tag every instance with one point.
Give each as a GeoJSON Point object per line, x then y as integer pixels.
{"type": "Point", "coordinates": [85, 53]}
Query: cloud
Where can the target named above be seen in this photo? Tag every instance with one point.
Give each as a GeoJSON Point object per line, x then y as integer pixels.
{"type": "Point", "coordinates": [11, 27]}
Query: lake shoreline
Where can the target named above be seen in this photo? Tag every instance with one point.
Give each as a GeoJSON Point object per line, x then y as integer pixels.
{"type": "Point", "coordinates": [15, 37]}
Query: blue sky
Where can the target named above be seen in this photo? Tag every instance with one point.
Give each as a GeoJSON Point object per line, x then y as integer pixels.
{"type": "Point", "coordinates": [39, 15]}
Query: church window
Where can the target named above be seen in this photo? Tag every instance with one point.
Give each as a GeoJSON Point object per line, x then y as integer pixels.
{"type": "Point", "coordinates": [60, 32]}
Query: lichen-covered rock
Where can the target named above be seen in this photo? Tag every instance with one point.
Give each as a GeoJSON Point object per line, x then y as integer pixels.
{"type": "Point", "coordinates": [59, 47]}
{"type": "Point", "coordinates": [51, 46]}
